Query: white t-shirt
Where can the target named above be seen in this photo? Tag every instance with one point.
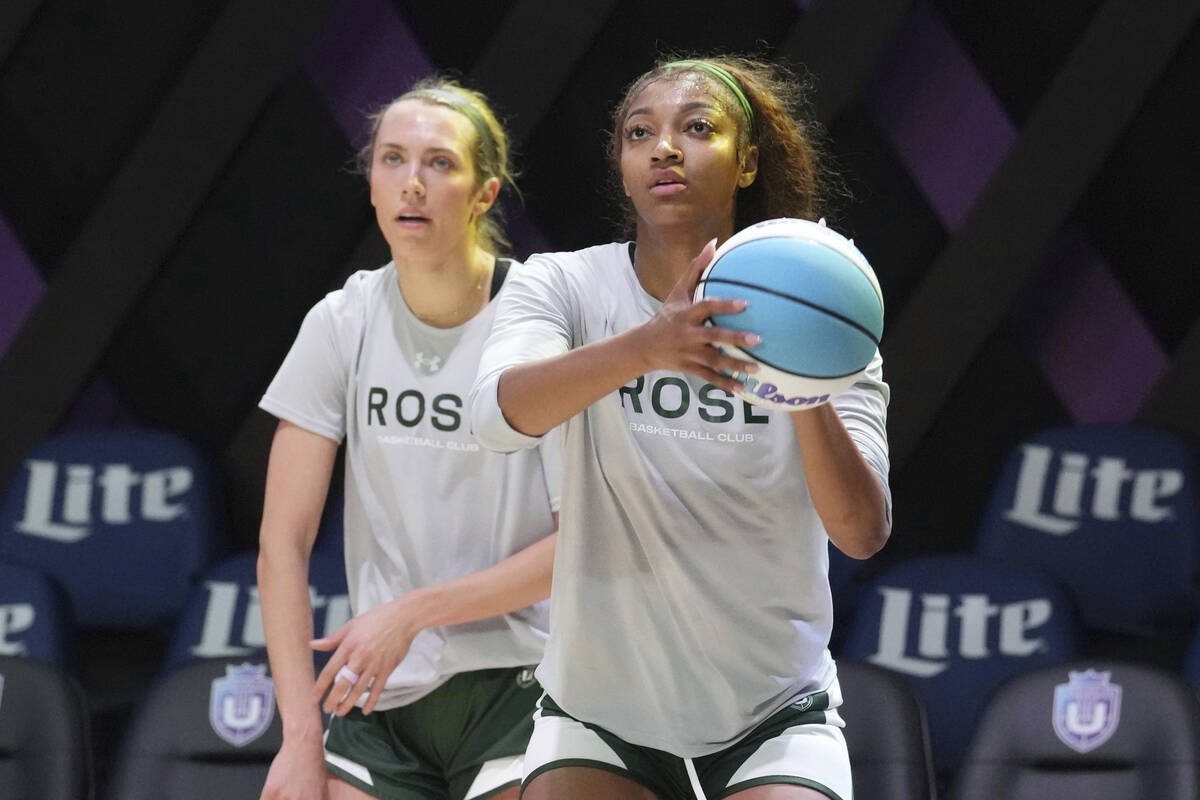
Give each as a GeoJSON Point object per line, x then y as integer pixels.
{"type": "Point", "coordinates": [691, 597]}
{"type": "Point", "coordinates": [424, 503]}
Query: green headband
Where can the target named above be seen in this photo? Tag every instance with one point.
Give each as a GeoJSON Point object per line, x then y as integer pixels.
{"type": "Point", "coordinates": [468, 110]}
{"type": "Point", "coordinates": [725, 77]}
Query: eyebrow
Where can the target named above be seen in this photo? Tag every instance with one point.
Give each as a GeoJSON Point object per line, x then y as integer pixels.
{"type": "Point", "coordinates": [396, 146]}
{"type": "Point", "coordinates": [683, 108]}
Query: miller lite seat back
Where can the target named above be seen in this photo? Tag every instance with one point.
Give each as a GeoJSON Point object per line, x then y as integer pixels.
{"type": "Point", "coordinates": [887, 734]}
{"type": "Point", "coordinates": [1110, 510]}
{"type": "Point", "coordinates": [1191, 661]}
{"type": "Point", "coordinates": [330, 536]}
{"type": "Point", "coordinates": [223, 619]}
{"type": "Point", "coordinates": [45, 744]}
{"type": "Point", "coordinates": [1095, 730]}
{"type": "Point", "coordinates": [35, 620]}
{"type": "Point", "coordinates": [206, 730]}
{"type": "Point", "coordinates": [124, 520]}
{"type": "Point", "coordinates": [955, 627]}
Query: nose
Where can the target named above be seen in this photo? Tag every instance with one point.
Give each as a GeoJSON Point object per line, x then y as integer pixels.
{"type": "Point", "coordinates": [411, 185]}
{"type": "Point", "coordinates": [665, 150]}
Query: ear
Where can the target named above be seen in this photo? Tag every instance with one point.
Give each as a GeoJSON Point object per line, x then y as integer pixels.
{"type": "Point", "coordinates": [486, 196]}
{"type": "Point", "coordinates": [749, 167]}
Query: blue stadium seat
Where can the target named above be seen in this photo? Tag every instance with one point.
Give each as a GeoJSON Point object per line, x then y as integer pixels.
{"type": "Point", "coordinates": [330, 539]}
{"type": "Point", "coordinates": [222, 617]}
{"type": "Point", "coordinates": [206, 730]}
{"type": "Point", "coordinates": [35, 621]}
{"type": "Point", "coordinates": [1099, 730]}
{"type": "Point", "coordinates": [124, 520]}
{"type": "Point", "coordinates": [45, 744]}
{"type": "Point", "coordinates": [955, 627]}
{"type": "Point", "coordinates": [1111, 511]}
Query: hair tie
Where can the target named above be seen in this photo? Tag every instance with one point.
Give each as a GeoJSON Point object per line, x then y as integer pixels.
{"type": "Point", "coordinates": [724, 76]}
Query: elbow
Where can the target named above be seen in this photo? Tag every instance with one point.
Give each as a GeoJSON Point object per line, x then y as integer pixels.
{"type": "Point", "coordinates": [488, 425]}
{"type": "Point", "coordinates": [863, 537]}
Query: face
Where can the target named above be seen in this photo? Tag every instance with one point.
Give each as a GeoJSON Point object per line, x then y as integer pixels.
{"type": "Point", "coordinates": [679, 159]}
{"type": "Point", "coordinates": [422, 177]}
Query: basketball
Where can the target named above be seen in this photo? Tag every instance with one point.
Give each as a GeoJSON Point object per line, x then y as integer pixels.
{"type": "Point", "coordinates": [814, 300]}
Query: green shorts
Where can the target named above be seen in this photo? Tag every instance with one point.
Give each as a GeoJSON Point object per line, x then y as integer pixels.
{"type": "Point", "coordinates": [801, 744]}
{"type": "Point", "coordinates": [463, 741]}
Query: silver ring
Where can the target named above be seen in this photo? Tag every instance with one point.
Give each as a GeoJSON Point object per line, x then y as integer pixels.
{"type": "Point", "coordinates": [347, 674]}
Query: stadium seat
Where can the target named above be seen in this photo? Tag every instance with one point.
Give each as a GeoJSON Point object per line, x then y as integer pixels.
{"type": "Point", "coordinates": [207, 730]}
{"type": "Point", "coordinates": [124, 520]}
{"type": "Point", "coordinates": [954, 627]}
{"type": "Point", "coordinates": [1095, 730]}
{"type": "Point", "coordinates": [35, 621]}
{"type": "Point", "coordinates": [45, 745]}
{"type": "Point", "coordinates": [222, 617]}
{"type": "Point", "coordinates": [887, 733]}
{"type": "Point", "coordinates": [1111, 511]}
{"type": "Point", "coordinates": [329, 533]}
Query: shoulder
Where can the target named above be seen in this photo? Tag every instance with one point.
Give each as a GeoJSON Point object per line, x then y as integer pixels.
{"type": "Point", "coordinates": [596, 260]}
{"type": "Point", "coordinates": [360, 290]}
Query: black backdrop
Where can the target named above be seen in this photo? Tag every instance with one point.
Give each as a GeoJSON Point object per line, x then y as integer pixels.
{"type": "Point", "coordinates": [174, 194]}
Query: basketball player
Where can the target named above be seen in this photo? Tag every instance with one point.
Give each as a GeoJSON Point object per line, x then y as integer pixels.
{"type": "Point", "coordinates": [691, 612]}
{"type": "Point", "coordinates": [448, 546]}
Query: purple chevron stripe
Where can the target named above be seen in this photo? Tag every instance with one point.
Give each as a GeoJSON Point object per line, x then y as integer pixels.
{"type": "Point", "coordinates": [951, 133]}
{"type": "Point", "coordinates": [365, 56]}
{"type": "Point", "coordinates": [97, 404]}
{"type": "Point", "coordinates": [23, 285]}
{"type": "Point", "coordinates": [945, 124]}
{"type": "Point", "coordinates": [1101, 357]}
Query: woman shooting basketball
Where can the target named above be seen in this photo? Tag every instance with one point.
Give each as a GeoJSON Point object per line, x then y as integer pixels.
{"type": "Point", "coordinates": [691, 610]}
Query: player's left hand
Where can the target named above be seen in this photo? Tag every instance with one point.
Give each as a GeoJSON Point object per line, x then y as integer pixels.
{"type": "Point", "coordinates": [369, 647]}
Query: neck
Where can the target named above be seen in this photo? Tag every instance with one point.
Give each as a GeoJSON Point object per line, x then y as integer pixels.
{"type": "Point", "coordinates": [449, 290]}
{"type": "Point", "coordinates": [663, 255]}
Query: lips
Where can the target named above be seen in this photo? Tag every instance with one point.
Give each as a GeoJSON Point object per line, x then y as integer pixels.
{"type": "Point", "coordinates": [667, 181]}
{"type": "Point", "coordinates": [667, 186]}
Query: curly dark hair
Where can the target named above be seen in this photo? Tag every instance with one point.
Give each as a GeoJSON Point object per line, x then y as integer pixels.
{"type": "Point", "coordinates": [794, 178]}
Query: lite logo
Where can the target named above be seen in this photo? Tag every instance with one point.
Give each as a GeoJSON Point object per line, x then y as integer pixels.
{"type": "Point", "coordinates": [1063, 486]}
{"type": "Point", "coordinates": [216, 636]}
{"type": "Point", "coordinates": [159, 498]}
{"type": "Point", "coordinates": [961, 626]}
{"type": "Point", "coordinates": [15, 618]}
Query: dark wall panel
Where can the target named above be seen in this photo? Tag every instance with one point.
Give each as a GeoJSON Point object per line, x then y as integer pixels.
{"type": "Point", "coordinates": [266, 244]}
{"type": "Point", "coordinates": [76, 91]}
{"type": "Point", "coordinates": [1143, 209]}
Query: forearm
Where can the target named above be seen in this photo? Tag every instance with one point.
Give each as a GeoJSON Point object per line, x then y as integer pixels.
{"type": "Point", "coordinates": [514, 583]}
{"type": "Point", "coordinates": [298, 475]}
{"type": "Point", "coordinates": [845, 490]}
{"type": "Point", "coordinates": [537, 396]}
{"type": "Point", "coordinates": [287, 622]}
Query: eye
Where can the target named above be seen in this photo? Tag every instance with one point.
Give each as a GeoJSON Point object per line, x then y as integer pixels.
{"type": "Point", "coordinates": [635, 132]}
{"type": "Point", "coordinates": [699, 126]}
{"type": "Point", "coordinates": [442, 163]}
{"type": "Point", "coordinates": [391, 158]}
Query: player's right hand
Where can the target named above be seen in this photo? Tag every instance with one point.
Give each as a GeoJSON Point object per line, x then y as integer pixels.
{"type": "Point", "coordinates": [297, 772]}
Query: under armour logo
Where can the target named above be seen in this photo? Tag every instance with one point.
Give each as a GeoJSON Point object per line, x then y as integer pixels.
{"type": "Point", "coordinates": [525, 678]}
{"type": "Point", "coordinates": [428, 363]}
